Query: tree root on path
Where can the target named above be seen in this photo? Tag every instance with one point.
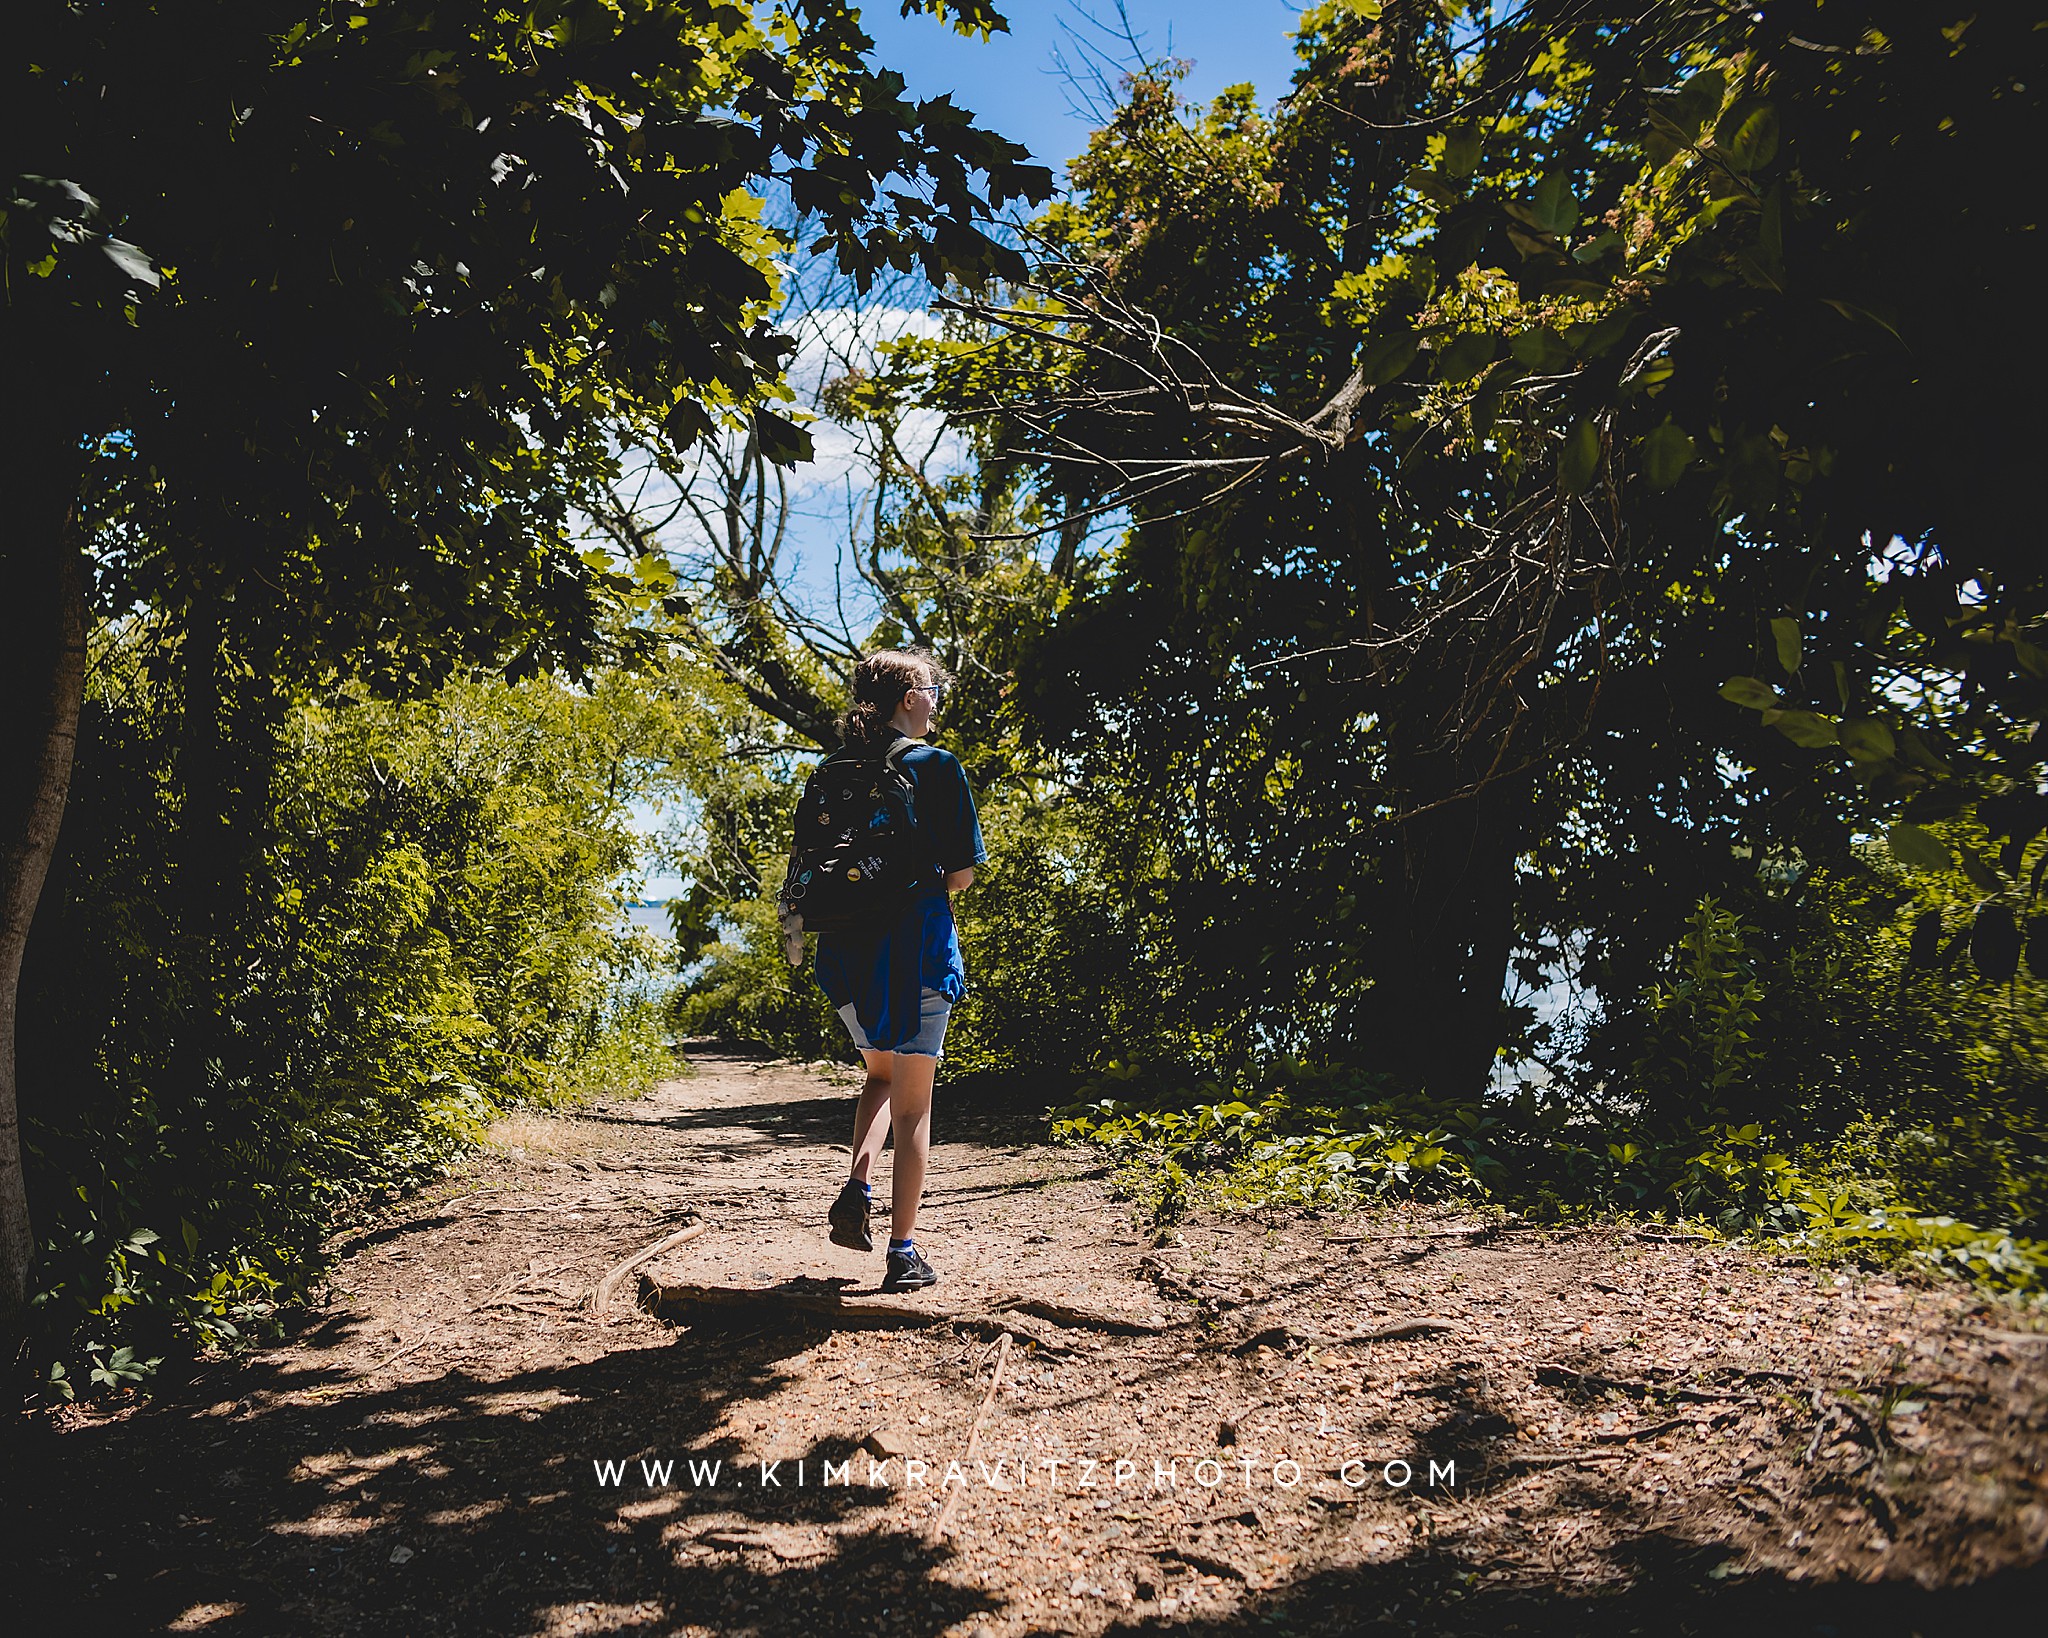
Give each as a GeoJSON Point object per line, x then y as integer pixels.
{"type": "Point", "coordinates": [1564, 1458]}
{"type": "Point", "coordinates": [1287, 1336]}
{"type": "Point", "coordinates": [1027, 1318]}
{"type": "Point", "coordinates": [600, 1294]}
{"type": "Point", "coordinates": [534, 1273]}
{"type": "Point", "coordinates": [1076, 1319]}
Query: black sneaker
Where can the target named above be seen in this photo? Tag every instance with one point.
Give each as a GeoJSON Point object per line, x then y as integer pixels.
{"type": "Point", "coordinates": [849, 1218]}
{"type": "Point", "coordinates": [908, 1271]}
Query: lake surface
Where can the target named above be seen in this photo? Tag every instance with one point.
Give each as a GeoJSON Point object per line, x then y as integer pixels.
{"type": "Point", "coordinates": [652, 916]}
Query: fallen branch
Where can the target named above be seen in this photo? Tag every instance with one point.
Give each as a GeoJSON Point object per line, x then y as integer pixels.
{"type": "Point", "coordinates": [1748, 1375]}
{"type": "Point", "coordinates": [1273, 1336]}
{"type": "Point", "coordinates": [524, 1305]}
{"type": "Point", "coordinates": [1076, 1319]}
{"type": "Point", "coordinates": [1563, 1376]}
{"type": "Point", "coordinates": [786, 1544]}
{"type": "Point", "coordinates": [601, 1293]}
{"type": "Point", "coordinates": [1286, 1336]}
{"type": "Point", "coordinates": [974, 1436]}
{"type": "Point", "coordinates": [1400, 1329]}
{"type": "Point", "coordinates": [804, 1298]}
{"type": "Point", "coordinates": [1622, 1436]}
{"type": "Point", "coordinates": [1483, 1231]}
{"type": "Point", "coordinates": [1565, 1458]}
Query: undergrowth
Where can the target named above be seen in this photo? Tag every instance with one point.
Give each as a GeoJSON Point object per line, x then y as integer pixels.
{"type": "Point", "coordinates": [1657, 1129]}
{"type": "Point", "coordinates": [1234, 1155]}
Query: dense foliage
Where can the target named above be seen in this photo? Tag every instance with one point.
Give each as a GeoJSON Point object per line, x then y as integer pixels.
{"type": "Point", "coordinates": [1545, 384]}
{"type": "Point", "coordinates": [1480, 412]}
{"type": "Point", "coordinates": [421, 924]}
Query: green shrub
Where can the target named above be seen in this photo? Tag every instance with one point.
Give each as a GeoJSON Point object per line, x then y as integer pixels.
{"type": "Point", "coordinates": [309, 981]}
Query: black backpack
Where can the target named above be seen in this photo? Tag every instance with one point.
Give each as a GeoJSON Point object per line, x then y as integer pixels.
{"type": "Point", "coordinates": [857, 858]}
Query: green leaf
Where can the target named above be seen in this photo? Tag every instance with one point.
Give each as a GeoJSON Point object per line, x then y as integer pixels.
{"type": "Point", "coordinates": [1995, 942]}
{"type": "Point", "coordinates": [1938, 802]}
{"type": "Point", "coordinates": [1785, 633]}
{"type": "Point", "coordinates": [1541, 349]}
{"type": "Point", "coordinates": [1918, 849]}
{"type": "Point", "coordinates": [1432, 187]}
{"type": "Point", "coordinates": [2037, 947]}
{"type": "Point", "coordinates": [1579, 459]}
{"type": "Point", "coordinates": [1554, 209]}
{"type": "Point", "coordinates": [1486, 401]}
{"type": "Point", "coordinates": [1807, 728]}
{"type": "Point", "coordinates": [1599, 245]}
{"type": "Point", "coordinates": [1868, 741]}
{"type": "Point", "coordinates": [1386, 358]}
{"type": "Point", "coordinates": [1925, 945]}
{"type": "Point", "coordinates": [1753, 692]}
{"type": "Point", "coordinates": [782, 440]}
{"type": "Point", "coordinates": [687, 422]}
{"type": "Point", "coordinates": [1748, 134]}
{"type": "Point", "coordinates": [1461, 150]}
{"type": "Point", "coordinates": [1667, 451]}
{"type": "Point", "coordinates": [1600, 336]}
{"type": "Point", "coordinates": [1464, 356]}
{"type": "Point", "coordinates": [1980, 873]}
{"type": "Point", "coordinates": [1916, 752]}
{"type": "Point", "coordinates": [1697, 102]}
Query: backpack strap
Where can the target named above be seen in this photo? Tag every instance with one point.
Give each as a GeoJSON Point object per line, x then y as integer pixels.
{"type": "Point", "coordinates": [899, 800]}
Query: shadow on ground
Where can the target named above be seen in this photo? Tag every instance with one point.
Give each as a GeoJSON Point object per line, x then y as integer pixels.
{"type": "Point", "coordinates": [461, 1507]}
{"type": "Point", "coordinates": [987, 1109]}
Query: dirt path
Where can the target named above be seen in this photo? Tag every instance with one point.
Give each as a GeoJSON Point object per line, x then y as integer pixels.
{"type": "Point", "coordinates": [1601, 1431]}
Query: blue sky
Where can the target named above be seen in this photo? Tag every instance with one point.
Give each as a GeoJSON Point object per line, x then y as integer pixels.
{"type": "Point", "coordinates": [1012, 82]}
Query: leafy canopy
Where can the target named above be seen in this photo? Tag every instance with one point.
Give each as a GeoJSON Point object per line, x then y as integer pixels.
{"type": "Point", "coordinates": [350, 302]}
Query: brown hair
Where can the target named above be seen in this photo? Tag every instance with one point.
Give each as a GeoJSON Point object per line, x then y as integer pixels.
{"type": "Point", "coordinates": [879, 683]}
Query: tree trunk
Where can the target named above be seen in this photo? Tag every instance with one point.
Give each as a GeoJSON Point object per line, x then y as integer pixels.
{"type": "Point", "coordinates": [1441, 932]}
{"type": "Point", "coordinates": [42, 682]}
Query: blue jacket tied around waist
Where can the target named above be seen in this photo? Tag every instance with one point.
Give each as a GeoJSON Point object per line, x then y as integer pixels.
{"type": "Point", "coordinates": [882, 972]}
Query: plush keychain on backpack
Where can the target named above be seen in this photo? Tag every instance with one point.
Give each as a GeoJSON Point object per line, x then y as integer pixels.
{"type": "Point", "coordinates": [856, 856]}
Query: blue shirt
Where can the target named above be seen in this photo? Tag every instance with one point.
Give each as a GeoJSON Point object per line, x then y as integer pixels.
{"type": "Point", "coordinates": [882, 975]}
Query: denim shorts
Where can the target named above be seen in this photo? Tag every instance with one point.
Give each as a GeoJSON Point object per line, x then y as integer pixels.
{"type": "Point", "coordinates": [932, 1012]}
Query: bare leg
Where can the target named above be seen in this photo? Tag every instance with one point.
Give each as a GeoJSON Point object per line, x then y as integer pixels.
{"type": "Point", "coordinates": [910, 1114]}
{"type": "Point", "coordinates": [869, 1127]}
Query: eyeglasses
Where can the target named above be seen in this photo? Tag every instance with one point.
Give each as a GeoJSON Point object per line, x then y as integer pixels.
{"type": "Point", "coordinates": [936, 690]}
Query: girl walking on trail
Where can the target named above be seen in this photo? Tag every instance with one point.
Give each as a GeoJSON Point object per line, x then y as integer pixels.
{"type": "Point", "coordinates": [895, 982]}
